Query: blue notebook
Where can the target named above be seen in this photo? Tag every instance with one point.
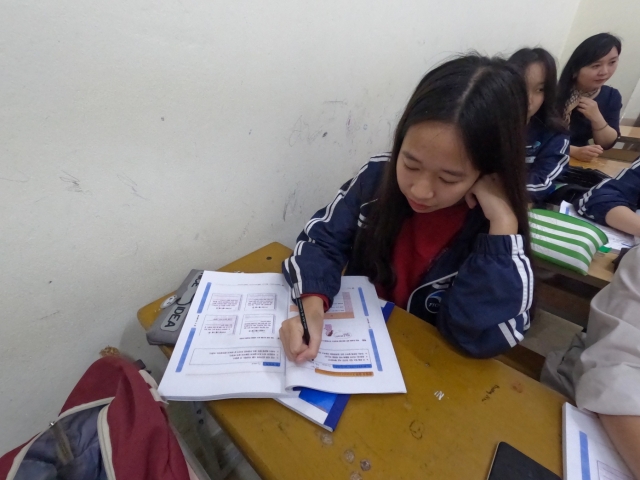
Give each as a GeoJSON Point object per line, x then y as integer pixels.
{"type": "Point", "coordinates": [324, 408]}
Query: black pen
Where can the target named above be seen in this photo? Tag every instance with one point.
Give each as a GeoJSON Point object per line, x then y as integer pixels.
{"type": "Point", "coordinates": [298, 300]}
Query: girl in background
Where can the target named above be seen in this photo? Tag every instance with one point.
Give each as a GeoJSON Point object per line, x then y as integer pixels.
{"type": "Point", "coordinates": [591, 108]}
{"type": "Point", "coordinates": [439, 224]}
{"type": "Point", "coordinates": [547, 147]}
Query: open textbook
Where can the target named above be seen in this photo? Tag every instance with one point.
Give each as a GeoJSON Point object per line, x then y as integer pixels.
{"type": "Point", "coordinates": [588, 451]}
{"type": "Point", "coordinates": [229, 345]}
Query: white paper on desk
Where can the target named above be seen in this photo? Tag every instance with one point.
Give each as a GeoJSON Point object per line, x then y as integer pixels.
{"type": "Point", "coordinates": [617, 239]}
{"type": "Point", "coordinates": [587, 450]}
{"type": "Point", "coordinates": [229, 346]}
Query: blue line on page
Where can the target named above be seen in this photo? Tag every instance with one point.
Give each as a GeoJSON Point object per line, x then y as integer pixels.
{"type": "Point", "coordinates": [270, 364]}
{"type": "Point", "coordinates": [375, 350]}
{"type": "Point", "coordinates": [584, 456]}
{"type": "Point", "coordinates": [364, 304]}
{"type": "Point", "coordinates": [364, 365]}
{"type": "Point", "coordinates": [204, 297]}
{"type": "Point", "coordinates": [185, 351]}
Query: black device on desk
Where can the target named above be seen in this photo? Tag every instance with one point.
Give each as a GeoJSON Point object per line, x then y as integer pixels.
{"type": "Point", "coordinates": [577, 181]}
{"type": "Point", "coordinates": [583, 177]}
{"type": "Point", "coordinates": [511, 464]}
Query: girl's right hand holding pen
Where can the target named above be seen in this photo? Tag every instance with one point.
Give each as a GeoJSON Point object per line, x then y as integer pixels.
{"type": "Point", "coordinates": [291, 331]}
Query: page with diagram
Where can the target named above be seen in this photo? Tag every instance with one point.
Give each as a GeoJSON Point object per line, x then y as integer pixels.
{"type": "Point", "coordinates": [356, 354]}
{"type": "Point", "coordinates": [229, 345]}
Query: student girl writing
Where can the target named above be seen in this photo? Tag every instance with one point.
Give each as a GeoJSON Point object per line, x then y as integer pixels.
{"type": "Point", "coordinates": [547, 147]}
{"type": "Point", "coordinates": [439, 224]}
{"type": "Point", "coordinates": [591, 108]}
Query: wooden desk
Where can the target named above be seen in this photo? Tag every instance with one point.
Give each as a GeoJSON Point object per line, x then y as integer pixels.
{"type": "Point", "coordinates": [600, 270]}
{"type": "Point", "coordinates": [408, 436]}
{"type": "Point", "coordinates": [606, 165]}
{"type": "Point", "coordinates": [629, 134]}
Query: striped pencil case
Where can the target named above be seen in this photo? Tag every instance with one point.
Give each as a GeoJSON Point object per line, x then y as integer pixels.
{"type": "Point", "coordinates": [564, 240]}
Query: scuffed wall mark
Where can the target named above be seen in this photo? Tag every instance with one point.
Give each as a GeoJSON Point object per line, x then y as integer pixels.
{"type": "Point", "coordinates": [311, 136]}
{"type": "Point", "coordinates": [291, 201]}
{"type": "Point", "coordinates": [131, 184]}
{"type": "Point", "coordinates": [348, 125]}
{"type": "Point", "coordinates": [50, 315]}
{"type": "Point", "coordinates": [297, 131]}
{"type": "Point", "coordinates": [245, 230]}
{"type": "Point", "coordinates": [40, 199]}
{"type": "Point", "coordinates": [330, 110]}
{"type": "Point", "coordinates": [74, 183]}
{"type": "Point", "coordinates": [19, 178]}
{"type": "Point", "coordinates": [301, 132]}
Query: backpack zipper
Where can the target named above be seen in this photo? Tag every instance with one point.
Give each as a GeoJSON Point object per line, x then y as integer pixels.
{"type": "Point", "coordinates": [63, 446]}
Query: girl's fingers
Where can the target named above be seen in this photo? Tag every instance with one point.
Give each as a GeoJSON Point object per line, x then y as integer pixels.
{"type": "Point", "coordinates": [471, 200]}
{"type": "Point", "coordinates": [310, 351]}
{"type": "Point", "coordinates": [296, 346]}
{"type": "Point", "coordinates": [291, 338]}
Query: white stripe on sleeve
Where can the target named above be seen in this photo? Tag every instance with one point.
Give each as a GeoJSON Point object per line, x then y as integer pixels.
{"type": "Point", "coordinates": [507, 334]}
{"type": "Point", "coordinates": [516, 333]}
{"type": "Point", "coordinates": [554, 173]}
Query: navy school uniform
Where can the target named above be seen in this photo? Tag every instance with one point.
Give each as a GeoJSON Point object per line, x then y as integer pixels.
{"type": "Point", "coordinates": [624, 190]}
{"type": "Point", "coordinates": [609, 102]}
{"type": "Point", "coordinates": [547, 156]}
{"type": "Point", "coordinates": [477, 292]}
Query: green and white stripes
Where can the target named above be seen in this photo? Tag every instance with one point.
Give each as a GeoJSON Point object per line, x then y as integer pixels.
{"type": "Point", "coordinates": [564, 240]}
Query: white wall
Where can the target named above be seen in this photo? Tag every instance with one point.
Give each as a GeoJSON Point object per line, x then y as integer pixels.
{"type": "Point", "coordinates": [631, 111]}
{"type": "Point", "coordinates": [619, 17]}
{"type": "Point", "coordinates": [143, 138]}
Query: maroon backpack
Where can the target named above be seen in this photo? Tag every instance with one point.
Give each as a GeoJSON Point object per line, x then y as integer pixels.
{"type": "Point", "coordinates": [112, 426]}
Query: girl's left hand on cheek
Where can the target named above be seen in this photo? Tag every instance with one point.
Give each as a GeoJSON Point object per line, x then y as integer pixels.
{"type": "Point", "coordinates": [489, 192]}
{"type": "Point", "coordinates": [589, 108]}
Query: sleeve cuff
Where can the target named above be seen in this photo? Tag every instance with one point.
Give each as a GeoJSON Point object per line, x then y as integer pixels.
{"type": "Point", "coordinates": [499, 244]}
{"type": "Point", "coordinates": [324, 298]}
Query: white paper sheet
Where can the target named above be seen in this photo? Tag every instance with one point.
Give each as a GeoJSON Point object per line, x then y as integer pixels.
{"type": "Point", "coordinates": [588, 451]}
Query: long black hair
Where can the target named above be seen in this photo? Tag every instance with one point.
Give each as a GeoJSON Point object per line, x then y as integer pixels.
{"type": "Point", "coordinates": [548, 113]}
{"type": "Point", "coordinates": [588, 52]}
{"type": "Point", "coordinates": [486, 98]}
